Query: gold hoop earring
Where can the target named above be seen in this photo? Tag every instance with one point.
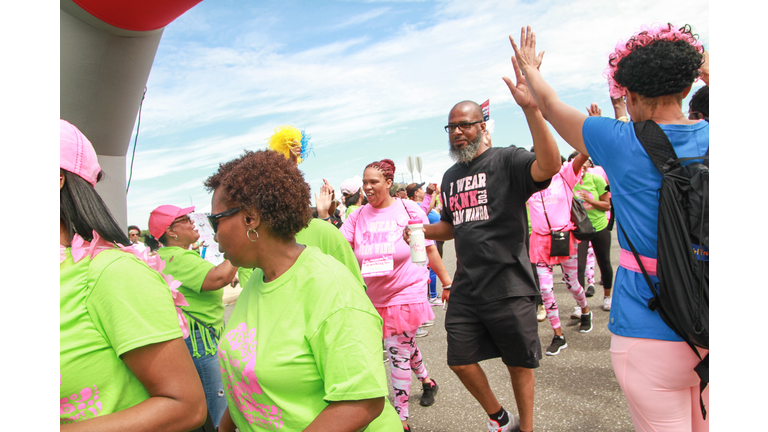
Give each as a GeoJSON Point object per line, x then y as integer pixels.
{"type": "Point", "coordinates": [248, 234]}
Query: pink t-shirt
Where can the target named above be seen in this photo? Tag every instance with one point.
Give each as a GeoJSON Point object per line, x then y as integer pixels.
{"type": "Point", "coordinates": [376, 235]}
{"type": "Point", "coordinates": [557, 198]}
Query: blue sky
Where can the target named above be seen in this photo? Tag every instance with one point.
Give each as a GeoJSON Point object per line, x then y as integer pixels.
{"type": "Point", "coordinates": [366, 79]}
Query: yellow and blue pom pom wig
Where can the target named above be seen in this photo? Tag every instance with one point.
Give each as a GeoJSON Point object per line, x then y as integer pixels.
{"type": "Point", "coordinates": [288, 137]}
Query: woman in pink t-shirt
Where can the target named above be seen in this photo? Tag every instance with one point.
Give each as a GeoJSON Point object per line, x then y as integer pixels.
{"type": "Point", "coordinates": [550, 211]}
{"type": "Point", "coordinates": [396, 286]}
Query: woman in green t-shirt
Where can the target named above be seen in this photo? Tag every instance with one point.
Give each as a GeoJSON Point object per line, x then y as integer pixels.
{"type": "Point", "coordinates": [302, 349]}
{"type": "Point", "coordinates": [201, 284]}
{"type": "Point", "coordinates": [593, 192]}
{"type": "Point", "coordinates": [122, 360]}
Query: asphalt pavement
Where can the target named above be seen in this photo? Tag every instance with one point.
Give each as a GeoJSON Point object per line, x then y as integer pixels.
{"type": "Point", "coordinates": [576, 390]}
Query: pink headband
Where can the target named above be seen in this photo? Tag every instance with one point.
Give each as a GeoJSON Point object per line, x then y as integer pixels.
{"type": "Point", "coordinates": [76, 153]}
{"type": "Point", "coordinates": [646, 35]}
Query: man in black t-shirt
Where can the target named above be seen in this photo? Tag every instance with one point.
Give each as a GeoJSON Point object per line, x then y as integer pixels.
{"type": "Point", "coordinates": [492, 309]}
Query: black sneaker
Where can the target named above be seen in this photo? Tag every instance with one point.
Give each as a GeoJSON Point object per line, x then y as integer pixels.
{"type": "Point", "coordinates": [586, 323]}
{"type": "Point", "coordinates": [590, 290]}
{"type": "Point", "coordinates": [558, 343]}
{"type": "Point", "coordinates": [428, 397]}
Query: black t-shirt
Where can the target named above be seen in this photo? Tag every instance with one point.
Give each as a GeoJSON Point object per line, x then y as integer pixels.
{"type": "Point", "coordinates": [485, 203]}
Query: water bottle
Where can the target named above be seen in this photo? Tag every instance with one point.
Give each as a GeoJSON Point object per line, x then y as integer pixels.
{"type": "Point", "coordinates": [418, 249]}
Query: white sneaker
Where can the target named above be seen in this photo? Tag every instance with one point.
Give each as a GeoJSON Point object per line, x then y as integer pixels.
{"type": "Point", "coordinates": [606, 303]}
{"type": "Point", "coordinates": [576, 313]}
{"type": "Point", "coordinates": [437, 301]}
{"type": "Point", "coordinates": [429, 323]}
{"type": "Point", "coordinates": [420, 332]}
{"type": "Point", "coordinates": [541, 314]}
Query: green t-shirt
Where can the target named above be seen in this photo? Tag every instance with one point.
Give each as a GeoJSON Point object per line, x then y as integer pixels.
{"type": "Point", "coordinates": [350, 209]}
{"type": "Point", "coordinates": [328, 239]}
{"type": "Point", "coordinates": [108, 306]}
{"type": "Point", "coordinates": [187, 267]}
{"type": "Point", "coordinates": [299, 342]}
{"type": "Point", "coordinates": [594, 185]}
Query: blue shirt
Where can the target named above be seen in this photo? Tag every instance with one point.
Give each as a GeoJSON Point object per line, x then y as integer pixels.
{"type": "Point", "coordinates": [433, 217]}
{"type": "Point", "coordinates": [635, 182]}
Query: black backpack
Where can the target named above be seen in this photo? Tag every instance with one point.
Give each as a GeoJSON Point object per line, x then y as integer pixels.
{"type": "Point", "coordinates": [682, 295]}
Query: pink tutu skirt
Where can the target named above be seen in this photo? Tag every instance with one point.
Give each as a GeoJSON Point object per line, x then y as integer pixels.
{"type": "Point", "coordinates": [405, 317]}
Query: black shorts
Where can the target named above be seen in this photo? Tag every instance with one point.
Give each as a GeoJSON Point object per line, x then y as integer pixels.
{"type": "Point", "coordinates": [505, 328]}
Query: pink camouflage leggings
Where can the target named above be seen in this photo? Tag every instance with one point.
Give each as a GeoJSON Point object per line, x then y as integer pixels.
{"type": "Point", "coordinates": [404, 357]}
{"type": "Point", "coordinates": [570, 268]}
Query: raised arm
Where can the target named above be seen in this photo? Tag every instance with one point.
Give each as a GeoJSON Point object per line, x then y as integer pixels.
{"type": "Point", "coordinates": [547, 161]}
{"type": "Point", "coordinates": [219, 276]}
{"type": "Point", "coordinates": [566, 119]}
{"type": "Point", "coordinates": [619, 109]}
{"type": "Point", "coordinates": [323, 201]}
{"type": "Point", "coordinates": [705, 68]}
{"type": "Point", "coordinates": [578, 162]}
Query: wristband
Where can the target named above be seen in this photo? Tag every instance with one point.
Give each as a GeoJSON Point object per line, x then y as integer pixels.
{"type": "Point", "coordinates": [623, 118]}
{"type": "Point", "coordinates": [447, 287]}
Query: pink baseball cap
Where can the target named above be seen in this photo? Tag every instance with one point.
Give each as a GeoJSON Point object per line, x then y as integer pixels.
{"type": "Point", "coordinates": [163, 216]}
{"type": "Point", "coordinates": [77, 154]}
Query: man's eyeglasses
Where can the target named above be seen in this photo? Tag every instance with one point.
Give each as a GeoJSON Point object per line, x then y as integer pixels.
{"type": "Point", "coordinates": [463, 126]}
{"type": "Point", "coordinates": [214, 218]}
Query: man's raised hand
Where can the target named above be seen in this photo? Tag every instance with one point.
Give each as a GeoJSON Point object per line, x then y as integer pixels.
{"type": "Point", "coordinates": [520, 91]}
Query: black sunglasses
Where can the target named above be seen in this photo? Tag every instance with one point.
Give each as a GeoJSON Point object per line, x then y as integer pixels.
{"type": "Point", "coordinates": [214, 218]}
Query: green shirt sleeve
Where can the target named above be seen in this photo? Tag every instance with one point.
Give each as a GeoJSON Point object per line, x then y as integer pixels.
{"type": "Point", "coordinates": [131, 305]}
{"type": "Point", "coordinates": [350, 361]}
{"type": "Point", "coordinates": [244, 274]}
{"type": "Point", "coordinates": [600, 186]}
{"type": "Point", "coordinates": [187, 266]}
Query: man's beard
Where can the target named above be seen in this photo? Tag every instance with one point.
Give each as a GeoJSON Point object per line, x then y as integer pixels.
{"type": "Point", "coordinates": [466, 154]}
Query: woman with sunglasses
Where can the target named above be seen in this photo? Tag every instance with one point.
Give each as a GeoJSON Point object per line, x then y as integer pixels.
{"type": "Point", "coordinates": [396, 286]}
{"type": "Point", "coordinates": [171, 229]}
{"type": "Point", "coordinates": [654, 69]}
{"type": "Point", "coordinates": [123, 364]}
{"type": "Point", "coordinates": [302, 348]}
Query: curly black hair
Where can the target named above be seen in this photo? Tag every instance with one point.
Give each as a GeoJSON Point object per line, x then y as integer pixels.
{"type": "Point", "coordinates": [269, 184]}
{"type": "Point", "coordinates": [660, 68]}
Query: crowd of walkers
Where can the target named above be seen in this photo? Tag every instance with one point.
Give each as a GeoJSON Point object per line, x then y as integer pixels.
{"type": "Point", "coordinates": [144, 345]}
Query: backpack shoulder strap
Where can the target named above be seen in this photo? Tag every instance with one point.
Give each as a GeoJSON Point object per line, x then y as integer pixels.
{"type": "Point", "coordinates": [656, 144]}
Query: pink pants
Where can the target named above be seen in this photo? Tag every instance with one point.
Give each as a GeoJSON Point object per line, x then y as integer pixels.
{"type": "Point", "coordinates": [570, 267]}
{"type": "Point", "coordinates": [660, 385]}
{"type": "Point", "coordinates": [404, 357]}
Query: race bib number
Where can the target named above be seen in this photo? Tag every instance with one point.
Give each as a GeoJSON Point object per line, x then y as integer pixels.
{"type": "Point", "coordinates": [379, 266]}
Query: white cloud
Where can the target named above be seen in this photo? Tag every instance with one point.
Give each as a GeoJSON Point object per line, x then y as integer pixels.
{"type": "Point", "coordinates": [361, 18]}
